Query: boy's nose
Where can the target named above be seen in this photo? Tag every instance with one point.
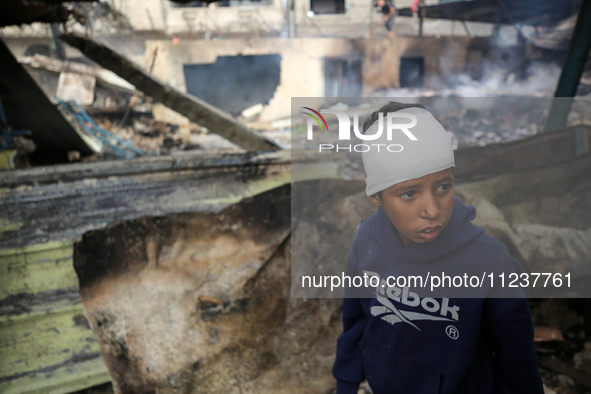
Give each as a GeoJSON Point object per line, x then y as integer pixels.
{"type": "Point", "coordinates": [430, 207]}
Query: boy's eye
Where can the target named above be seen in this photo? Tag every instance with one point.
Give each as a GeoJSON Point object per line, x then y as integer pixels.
{"type": "Point", "coordinates": [409, 194]}
{"type": "Point", "coordinates": [444, 188]}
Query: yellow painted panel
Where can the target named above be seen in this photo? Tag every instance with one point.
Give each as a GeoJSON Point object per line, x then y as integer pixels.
{"type": "Point", "coordinates": [46, 345]}
{"type": "Point", "coordinates": [6, 225]}
{"type": "Point", "coordinates": [56, 338]}
{"type": "Point", "coordinates": [36, 269]}
{"type": "Point", "coordinates": [62, 380]}
{"type": "Point", "coordinates": [5, 159]}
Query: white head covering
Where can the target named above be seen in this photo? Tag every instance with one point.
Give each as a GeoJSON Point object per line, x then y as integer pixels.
{"type": "Point", "coordinates": [431, 152]}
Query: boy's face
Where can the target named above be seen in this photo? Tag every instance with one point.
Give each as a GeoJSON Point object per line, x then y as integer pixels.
{"type": "Point", "coordinates": [420, 208]}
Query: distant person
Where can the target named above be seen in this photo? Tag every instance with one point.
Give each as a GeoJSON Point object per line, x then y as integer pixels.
{"type": "Point", "coordinates": [389, 13]}
{"type": "Point", "coordinates": [414, 7]}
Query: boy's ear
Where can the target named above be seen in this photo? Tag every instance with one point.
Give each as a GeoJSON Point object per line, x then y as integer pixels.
{"type": "Point", "coordinates": [376, 200]}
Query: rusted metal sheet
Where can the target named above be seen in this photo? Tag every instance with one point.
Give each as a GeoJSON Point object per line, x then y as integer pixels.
{"type": "Point", "coordinates": [193, 108]}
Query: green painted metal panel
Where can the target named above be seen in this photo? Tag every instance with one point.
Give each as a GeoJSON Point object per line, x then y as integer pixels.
{"type": "Point", "coordinates": [46, 344]}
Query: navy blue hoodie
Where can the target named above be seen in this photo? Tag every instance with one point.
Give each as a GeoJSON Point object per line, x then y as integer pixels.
{"type": "Point", "coordinates": [404, 342]}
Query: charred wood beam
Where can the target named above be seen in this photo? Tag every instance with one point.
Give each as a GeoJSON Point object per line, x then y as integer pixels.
{"type": "Point", "coordinates": [193, 108]}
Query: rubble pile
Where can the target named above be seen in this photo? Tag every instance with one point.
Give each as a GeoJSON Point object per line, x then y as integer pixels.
{"type": "Point", "coordinates": [475, 128]}
{"type": "Point", "coordinates": [496, 125]}
{"type": "Point", "coordinates": [151, 136]}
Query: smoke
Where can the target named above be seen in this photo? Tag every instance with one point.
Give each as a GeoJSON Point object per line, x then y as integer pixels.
{"type": "Point", "coordinates": [540, 81]}
{"type": "Point", "coordinates": [502, 71]}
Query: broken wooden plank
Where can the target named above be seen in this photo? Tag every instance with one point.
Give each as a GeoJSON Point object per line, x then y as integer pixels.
{"type": "Point", "coordinates": [193, 108]}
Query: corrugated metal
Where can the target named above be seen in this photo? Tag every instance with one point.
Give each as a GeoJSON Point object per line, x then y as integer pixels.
{"type": "Point", "coordinates": [45, 343]}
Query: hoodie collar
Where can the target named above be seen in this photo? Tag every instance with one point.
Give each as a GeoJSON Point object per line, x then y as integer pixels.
{"type": "Point", "coordinates": [459, 232]}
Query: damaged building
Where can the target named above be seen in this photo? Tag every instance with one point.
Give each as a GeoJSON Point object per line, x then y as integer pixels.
{"type": "Point", "coordinates": [154, 161]}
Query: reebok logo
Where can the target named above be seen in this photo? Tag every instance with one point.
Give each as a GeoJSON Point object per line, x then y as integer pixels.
{"type": "Point", "coordinates": [390, 297]}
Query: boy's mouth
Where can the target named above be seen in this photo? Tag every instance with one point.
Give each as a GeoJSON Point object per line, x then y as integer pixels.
{"type": "Point", "coordinates": [430, 233]}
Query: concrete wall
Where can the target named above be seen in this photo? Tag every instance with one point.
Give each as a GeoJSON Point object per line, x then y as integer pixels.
{"type": "Point", "coordinates": [272, 18]}
{"type": "Point", "coordinates": [443, 57]}
{"type": "Point", "coordinates": [353, 23]}
{"type": "Point", "coordinates": [302, 62]}
{"type": "Point", "coordinates": [214, 20]}
{"type": "Point", "coordinates": [295, 19]}
{"type": "Point", "coordinates": [144, 14]}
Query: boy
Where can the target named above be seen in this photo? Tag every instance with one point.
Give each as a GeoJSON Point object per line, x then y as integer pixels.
{"type": "Point", "coordinates": [400, 340]}
{"type": "Point", "coordinates": [389, 13]}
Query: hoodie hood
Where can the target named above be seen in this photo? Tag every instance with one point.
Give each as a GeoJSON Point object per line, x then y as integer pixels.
{"type": "Point", "coordinates": [459, 232]}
